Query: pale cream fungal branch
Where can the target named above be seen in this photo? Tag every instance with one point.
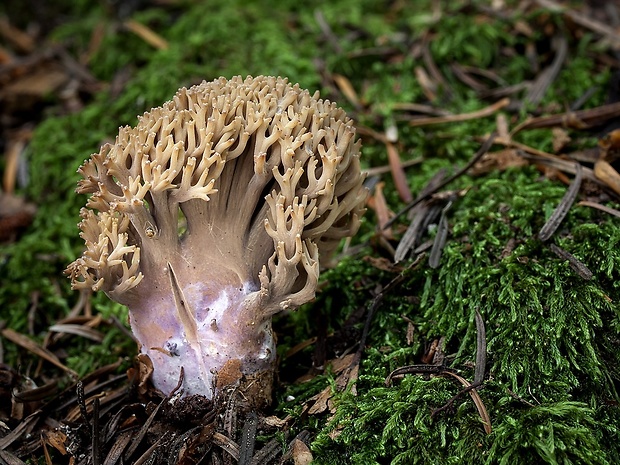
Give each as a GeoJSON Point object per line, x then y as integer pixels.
{"type": "Point", "coordinates": [210, 216]}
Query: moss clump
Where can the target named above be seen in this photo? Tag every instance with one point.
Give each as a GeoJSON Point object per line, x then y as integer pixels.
{"type": "Point", "coordinates": [552, 372]}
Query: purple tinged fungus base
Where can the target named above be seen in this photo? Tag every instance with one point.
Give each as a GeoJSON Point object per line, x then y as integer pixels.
{"type": "Point", "coordinates": [210, 216]}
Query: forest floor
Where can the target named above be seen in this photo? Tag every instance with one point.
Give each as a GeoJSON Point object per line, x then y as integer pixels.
{"type": "Point", "coordinates": [475, 317]}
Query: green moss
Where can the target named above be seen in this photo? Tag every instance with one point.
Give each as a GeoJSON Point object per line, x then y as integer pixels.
{"type": "Point", "coordinates": [546, 343]}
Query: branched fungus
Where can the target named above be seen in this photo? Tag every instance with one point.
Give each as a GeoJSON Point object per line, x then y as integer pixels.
{"type": "Point", "coordinates": [209, 217]}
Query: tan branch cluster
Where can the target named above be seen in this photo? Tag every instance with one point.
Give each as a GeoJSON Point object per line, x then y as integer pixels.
{"type": "Point", "coordinates": [108, 262]}
{"type": "Point", "coordinates": [265, 174]}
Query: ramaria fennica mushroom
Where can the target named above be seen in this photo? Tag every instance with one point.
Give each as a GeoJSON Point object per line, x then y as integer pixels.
{"type": "Point", "coordinates": [209, 217]}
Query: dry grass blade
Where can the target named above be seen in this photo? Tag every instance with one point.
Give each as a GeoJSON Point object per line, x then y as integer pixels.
{"type": "Point", "coordinates": [581, 119]}
{"type": "Point", "coordinates": [36, 349]}
{"type": "Point", "coordinates": [481, 349]}
{"type": "Point", "coordinates": [345, 86]}
{"type": "Point", "coordinates": [227, 444]}
{"type": "Point", "coordinates": [544, 80]}
{"type": "Point", "coordinates": [145, 428]}
{"type": "Point", "coordinates": [429, 87]}
{"type": "Point", "coordinates": [563, 207]}
{"type": "Point", "coordinates": [418, 214]}
{"type": "Point", "coordinates": [33, 395]}
{"type": "Point", "coordinates": [102, 371]}
{"type": "Point", "coordinates": [78, 330]}
{"type": "Point", "coordinates": [420, 108]}
{"type": "Point", "coordinates": [248, 438]}
{"type": "Point", "coordinates": [432, 68]}
{"type": "Point", "coordinates": [398, 173]}
{"type": "Point", "coordinates": [580, 268]}
{"type": "Point", "coordinates": [268, 453]}
{"type": "Point", "coordinates": [378, 203]}
{"type": "Point", "coordinates": [9, 459]}
{"type": "Point", "coordinates": [461, 74]}
{"type": "Point", "coordinates": [440, 238]}
{"type": "Point", "coordinates": [482, 411]}
{"type": "Point", "coordinates": [146, 34]}
{"type": "Point", "coordinates": [477, 156]}
{"type": "Point", "coordinates": [13, 154]}
{"type": "Point", "coordinates": [484, 112]}
{"type": "Point", "coordinates": [299, 347]}
{"type": "Point", "coordinates": [598, 206]}
{"type": "Point", "coordinates": [116, 451]}
{"type": "Point", "coordinates": [413, 232]}
{"type": "Point", "coordinates": [25, 427]}
{"type": "Point", "coordinates": [559, 164]}
{"type": "Point", "coordinates": [377, 170]}
{"type": "Point", "coordinates": [579, 18]}
{"type": "Point", "coordinates": [148, 454]}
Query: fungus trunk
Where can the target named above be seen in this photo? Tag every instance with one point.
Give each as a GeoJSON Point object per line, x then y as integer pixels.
{"type": "Point", "coordinates": [204, 319]}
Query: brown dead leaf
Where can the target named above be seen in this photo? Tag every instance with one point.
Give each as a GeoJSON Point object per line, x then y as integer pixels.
{"type": "Point", "coordinates": [608, 175]}
{"type": "Point", "coordinates": [320, 401]}
{"type": "Point", "coordinates": [145, 367]}
{"type": "Point", "coordinates": [500, 160]}
{"type": "Point", "coordinates": [20, 40]}
{"type": "Point", "coordinates": [55, 438]}
{"type": "Point", "coordinates": [274, 421]}
{"type": "Point", "coordinates": [341, 363]}
{"type": "Point", "coordinates": [410, 334]}
{"type": "Point", "coordinates": [15, 215]}
{"type": "Point", "coordinates": [39, 83]}
{"type": "Point", "coordinates": [383, 264]}
{"type": "Point", "coordinates": [301, 453]}
{"type": "Point", "coordinates": [560, 139]}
